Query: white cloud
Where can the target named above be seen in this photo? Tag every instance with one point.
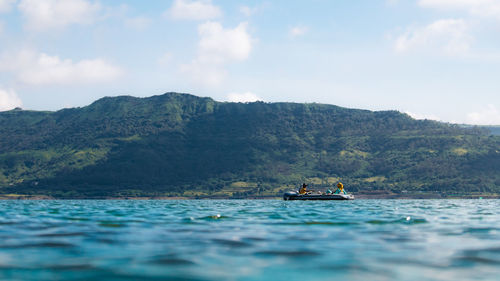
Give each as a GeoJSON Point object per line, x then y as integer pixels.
{"type": "Point", "coordinates": [248, 11]}
{"type": "Point", "coordinates": [298, 31]}
{"type": "Point", "coordinates": [5, 5]}
{"type": "Point", "coordinates": [9, 100]}
{"type": "Point", "coordinates": [193, 10]}
{"type": "Point", "coordinates": [49, 14]}
{"type": "Point", "coordinates": [450, 36]}
{"type": "Point", "coordinates": [488, 116]}
{"type": "Point", "coordinates": [481, 8]}
{"type": "Point", "coordinates": [243, 97]}
{"type": "Point", "coordinates": [423, 116]}
{"type": "Point", "coordinates": [139, 23]}
{"type": "Point", "coordinates": [217, 47]}
{"type": "Point", "coordinates": [219, 44]}
{"type": "Point", "coordinates": [41, 69]}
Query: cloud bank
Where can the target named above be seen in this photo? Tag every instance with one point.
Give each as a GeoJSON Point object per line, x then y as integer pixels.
{"type": "Point", "coordinates": [42, 15]}
{"type": "Point", "coordinates": [193, 10]}
{"type": "Point", "coordinates": [449, 36]}
{"type": "Point", "coordinates": [5, 5]}
{"type": "Point", "coordinates": [478, 8]}
{"type": "Point", "coordinates": [218, 46]}
{"type": "Point", "coordinates": [9, 100]}
{"type": "Point", "coordinates": [243, 97]}
{"type": "Point", "coordinates": [42, 69]}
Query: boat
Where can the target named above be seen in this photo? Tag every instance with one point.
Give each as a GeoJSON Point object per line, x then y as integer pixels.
{"type": "Point", "coordinates": [294, 195]}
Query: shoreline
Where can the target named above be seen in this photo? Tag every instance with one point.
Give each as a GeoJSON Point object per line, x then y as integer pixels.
{"type": "Point", "coordinates": [357, 196]}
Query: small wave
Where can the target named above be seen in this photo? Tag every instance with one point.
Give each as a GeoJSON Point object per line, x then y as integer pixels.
{"type": "Point", "coordinates": [38, 245]}
{"type": "Point", "coordinates": [214, 217]}
{"type": "Point", "coordinates": [325, 223]}
{"type": "Point", "coordinates": [115, 213]}
{"type": "Point", "coordinates": [303, 253]}
{"type": "Point", "coordinates": [487, 256]}
{"type": "Point", "coordinates": [111, 224]}
{"type": "Point", "coordinates": [71, 267]}
{"type": "Point", "coordinates": [476, 260]}
{"type": "Point", "coordinates": [276, 217]}
{"type": "Point", "coordinates": [495, 251]}
{"type": "Point", "coordinates": [69, 234]}
{"type": "Point", "coordinates": [232, 243]}
{"type": "Point", "coordinates": [75, 219]}
{"type": "Point", "coordinates": [406, 220]}
{"type": "Point", "coordinates": [189, 220]}
{"type": "Point", "coordinates": [172, 261]}
{"type": "Point", "coordinates": [336, 268]}
{"type": "Point", "coordinates": [255, 239]}
{"type": "Point", "coordinates": [340, 223]}
{"type": "Point", "coordinates": [413, 262]}
{"type": "Point", "coordinates": [479, 229]}
{"type": "Point", "coordinates": [108, 241]}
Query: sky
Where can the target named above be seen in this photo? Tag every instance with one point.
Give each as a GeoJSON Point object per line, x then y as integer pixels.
{"type": "Point", "coordinates": [432, 59]}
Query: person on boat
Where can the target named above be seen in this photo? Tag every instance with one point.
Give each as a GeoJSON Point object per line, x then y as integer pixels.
{"type": "Point", "coordinates": [340, 189]}
{"type": "Point", "coordinates": [303, 189]}
{"type": "Point", "coordinates": [328, 191]}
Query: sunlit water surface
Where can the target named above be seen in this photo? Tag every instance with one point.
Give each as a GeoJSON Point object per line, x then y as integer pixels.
{"type": "Point", "coordinates": [250, 240]}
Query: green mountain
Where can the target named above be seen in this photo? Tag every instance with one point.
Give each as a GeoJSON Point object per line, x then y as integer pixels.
{"type": "Point", "coordinates": [183, 145]}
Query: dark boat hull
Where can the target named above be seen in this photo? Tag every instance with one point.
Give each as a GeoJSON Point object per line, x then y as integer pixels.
{"type": "Point", "coordinates": [296, 196]}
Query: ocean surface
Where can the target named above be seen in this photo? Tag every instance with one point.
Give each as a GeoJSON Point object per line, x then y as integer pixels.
{"type": "Point", "coordinates": [250, 240]}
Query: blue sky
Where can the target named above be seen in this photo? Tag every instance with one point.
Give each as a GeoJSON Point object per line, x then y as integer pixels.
{"type": "Point", "coordinates": [436, 59]}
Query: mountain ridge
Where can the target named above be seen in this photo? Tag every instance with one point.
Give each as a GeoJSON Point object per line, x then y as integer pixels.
{"type": "Point", "coordinates": [183, 145]}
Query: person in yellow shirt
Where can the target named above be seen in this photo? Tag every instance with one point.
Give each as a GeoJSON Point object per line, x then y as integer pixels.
{"type": "Point", "coordinates": [303, 189]}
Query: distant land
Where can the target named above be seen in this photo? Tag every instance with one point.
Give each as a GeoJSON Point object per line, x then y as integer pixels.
{"type": "Point", "coordinates": [180, 145]}
{"type": "Point", "coordinates": [494, 130]}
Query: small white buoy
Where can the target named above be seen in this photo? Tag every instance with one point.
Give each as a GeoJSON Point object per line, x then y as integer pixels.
{"type": "Point", "coordinates": [408, 218]}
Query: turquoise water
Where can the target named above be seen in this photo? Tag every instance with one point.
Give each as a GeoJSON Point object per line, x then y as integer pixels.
{"type": "Point", "coordinates": [250, 240]}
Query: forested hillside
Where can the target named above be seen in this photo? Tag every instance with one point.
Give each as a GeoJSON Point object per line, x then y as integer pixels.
{"type": "Point", "coordinates": [183, 145]}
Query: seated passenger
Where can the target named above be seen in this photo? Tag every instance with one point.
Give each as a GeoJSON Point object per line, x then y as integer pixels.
{"type": "Point", "coordinates": [303, 189]}
{"type": "Point", "coordinates": [340, 189]}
